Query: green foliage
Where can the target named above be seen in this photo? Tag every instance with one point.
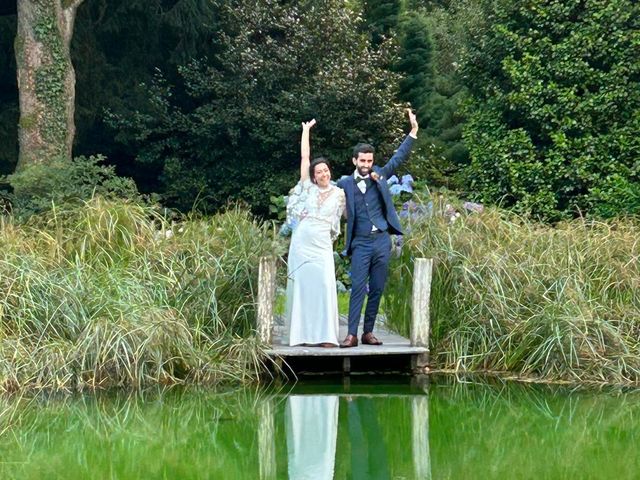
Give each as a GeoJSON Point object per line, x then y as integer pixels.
{"type": "Point", "coordinates": [381, 17]}
{"type": "Point", "coordinates": [108, 293]}
{"type": "Point", "coordinates": [556, 107]}
{"type": "Point", "coordinates": [510, 294]}
{"type": "Point", "coordinates": [617, 194]}
{"type": "Point", "coordinates": [116, 47]}
{"type": "Point", "coordinates": [415, 65]}
{"type": "Point", "coordinates": [432, 85]}
{"type": "Point", "coordinates": [231, 128]}
{"type": "Point", "coordinates": [62, 182]}
{"type": "Point", "coordinates": [278, 207]}
{"type": "Point", "coordinates": [342, 266]}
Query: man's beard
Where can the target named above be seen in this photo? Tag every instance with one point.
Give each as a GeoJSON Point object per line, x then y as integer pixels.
{"type": "Point", "coordinates": [363, 171]}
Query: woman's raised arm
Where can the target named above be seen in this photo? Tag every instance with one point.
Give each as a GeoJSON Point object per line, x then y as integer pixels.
{"type": "Point", "coordinates": [305, 149]}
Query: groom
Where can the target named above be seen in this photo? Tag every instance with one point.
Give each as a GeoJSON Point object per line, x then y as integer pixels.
{"type": "Point", "coordinates": [371, 217]}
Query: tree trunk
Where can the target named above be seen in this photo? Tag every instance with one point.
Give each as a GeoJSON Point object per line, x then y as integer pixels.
{"type": "Point", "coordinates": [46, 79]}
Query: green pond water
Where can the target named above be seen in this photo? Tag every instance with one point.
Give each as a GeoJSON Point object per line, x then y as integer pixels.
{"type": "Point", "coordinates": [445, 428]}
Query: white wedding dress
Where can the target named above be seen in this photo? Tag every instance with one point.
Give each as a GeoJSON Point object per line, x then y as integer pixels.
{"type": "Point", "coordinates": [312, 302]}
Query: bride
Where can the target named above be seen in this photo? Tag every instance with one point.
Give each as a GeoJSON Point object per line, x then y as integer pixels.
{"type": "Point", "coordinates": [314, 209]}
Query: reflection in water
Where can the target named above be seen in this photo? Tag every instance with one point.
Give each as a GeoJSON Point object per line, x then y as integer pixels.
{"type": "Point", "coordinates": [458, 430]}
{"type": "Point", "coordinates": [363, 429]}
{"type": "Point", "coordinates": [312, 428]}
{"type": "Point", "coordinates": [420, 437]}
{"type": "Point", "coordinates": [368, 450]}
{"type": "Point", "coordinates": [507, 430]}
{"type": "Point", "coordinates": [266, 444]}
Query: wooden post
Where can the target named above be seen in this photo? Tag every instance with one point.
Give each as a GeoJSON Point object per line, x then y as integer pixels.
{"type": "Point", "coordinates": [420, 436]}
{"type": "Point", "coordinates": [346, 365]}
{"type": "Point", "coordinates": [266, 294]}
{"type": "Point", "coordinates": [420, 321]}
{"type": "Point", "coordinates": [266, 441]}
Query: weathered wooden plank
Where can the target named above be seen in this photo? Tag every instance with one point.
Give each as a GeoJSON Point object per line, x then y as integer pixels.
{"type": "Point", "coordinates": [393, 344]}
{"type": "Point", "coordinates": [266, 295]}
{"type": "Point", "coordinates": [420, 314]}
{"type": "Point", "coordinates": [362, 350]}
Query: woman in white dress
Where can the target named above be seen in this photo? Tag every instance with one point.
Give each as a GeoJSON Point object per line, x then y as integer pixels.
{"type": "Point", "coordinates": [314, 209]}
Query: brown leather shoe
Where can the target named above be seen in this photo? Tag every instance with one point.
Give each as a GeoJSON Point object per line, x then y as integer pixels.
{"type": "Point", "coordinates": [327, 345]}
{"type": "Point", "coordinates": [370, 339]}
{"type": "Point", "coordinates": [349, 341]}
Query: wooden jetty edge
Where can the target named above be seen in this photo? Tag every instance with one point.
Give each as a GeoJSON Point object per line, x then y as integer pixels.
{"type": "Point", "coordinates": [273, 333]}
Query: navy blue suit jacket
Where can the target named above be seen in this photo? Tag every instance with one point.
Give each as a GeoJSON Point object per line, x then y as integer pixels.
{"type": "Point", "coordinates": [348, 184]}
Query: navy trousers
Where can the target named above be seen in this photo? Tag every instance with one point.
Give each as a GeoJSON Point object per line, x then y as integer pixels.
{"type": "Point", "coordinates": [369, 263]}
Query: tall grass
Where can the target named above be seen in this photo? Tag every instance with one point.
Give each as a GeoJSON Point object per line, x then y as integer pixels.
{"type": "Point", "coordinates": [559, 302]}
{"type": "Point", "coordinates": [105, 296]}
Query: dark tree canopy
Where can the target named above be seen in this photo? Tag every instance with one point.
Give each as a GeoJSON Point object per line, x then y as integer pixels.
{"type": "Point", "coordinates": [118, 46]}
{"type": "Point", "coordinates": [230, 128]}
{"type": "Point", "coordinates": [9, 110]}
{"type": "Point", "coordinates": [415, 65]}
{"type": "Point", "coordinates": [381, 17]}
{"type": "Point", "coordinates": [532, 105]}
{"type": "Point", "coordinates": [8, 8]}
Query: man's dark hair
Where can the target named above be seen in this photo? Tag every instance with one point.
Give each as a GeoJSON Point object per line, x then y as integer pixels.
{"type": "Point", "coordinates": [318, 161]}
{"type": "Point", "coordinates": [363, 148]}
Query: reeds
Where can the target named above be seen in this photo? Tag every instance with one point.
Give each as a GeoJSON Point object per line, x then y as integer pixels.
{"type": "Point", "coordinates": [509, 294]}
{"type": "Point", "coordinates": [111, 294]}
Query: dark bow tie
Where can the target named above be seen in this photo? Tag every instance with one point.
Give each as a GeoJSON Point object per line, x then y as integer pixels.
{"type": "Point", "coordinates": [366, 179]}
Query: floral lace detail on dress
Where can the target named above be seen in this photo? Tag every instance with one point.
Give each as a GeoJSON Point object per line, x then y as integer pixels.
{"type": "Point", "coordinates": [339, 208]}
{"type": "Point", "coordinates": [307, 200]}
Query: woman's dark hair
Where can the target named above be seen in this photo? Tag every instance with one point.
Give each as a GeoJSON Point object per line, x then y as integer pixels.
{"type": "Point", "coordinates": [318, 161]}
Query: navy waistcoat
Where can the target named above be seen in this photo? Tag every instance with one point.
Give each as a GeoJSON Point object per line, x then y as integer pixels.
{"type": "Point", "coordinates": [369, 210]}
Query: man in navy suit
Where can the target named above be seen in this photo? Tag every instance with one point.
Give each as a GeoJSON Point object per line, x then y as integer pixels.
{"type": "Point", "coordinates": [371, 218]}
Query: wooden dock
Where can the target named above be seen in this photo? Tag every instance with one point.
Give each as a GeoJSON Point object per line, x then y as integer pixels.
{"type": "Point", "coordinates": [392, 344]}
{"type": "Point", "coordinates": [397, 353]}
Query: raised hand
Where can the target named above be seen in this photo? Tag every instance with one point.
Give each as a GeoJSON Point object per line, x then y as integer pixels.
{"type": "Point", "coordinates": [413, 121]}
{"type": "Point", "coordinates": [305, 149]}
{"type": "Point", "coordinates": [309, 124]}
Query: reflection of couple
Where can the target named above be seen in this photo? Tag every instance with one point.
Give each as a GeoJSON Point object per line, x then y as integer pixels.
{"type": "Point", "coordinates": [311, 423]}
{"type": "Point", "coordinates": [314, 208]}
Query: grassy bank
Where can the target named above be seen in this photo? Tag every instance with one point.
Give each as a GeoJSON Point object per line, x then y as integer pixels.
{"type": "Point", "coordinates": [508, 294]}
{"type": "Point", "coordinates": [106, 295]}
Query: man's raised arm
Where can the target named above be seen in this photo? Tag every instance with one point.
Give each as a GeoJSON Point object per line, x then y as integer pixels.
{"type": "Point", "coordinates": [403, 151]}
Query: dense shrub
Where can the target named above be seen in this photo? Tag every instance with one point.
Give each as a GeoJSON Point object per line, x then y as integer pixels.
{"type": "Point", "coordinates": [65, 182]}
{"type": "Point", "coordinates": [555, 111]}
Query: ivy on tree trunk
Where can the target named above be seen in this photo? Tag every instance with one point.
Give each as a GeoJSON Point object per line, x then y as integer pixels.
{"type": "Point", "coordinates": [46, 79]}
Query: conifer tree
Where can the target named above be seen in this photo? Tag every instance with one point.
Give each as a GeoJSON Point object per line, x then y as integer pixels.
{"type": "Point", "coordinates": [381, 17]}
{"type": "Point", "coordinates": [435, 95]}
{"type": "Point", "coordinates": [415, 65]}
